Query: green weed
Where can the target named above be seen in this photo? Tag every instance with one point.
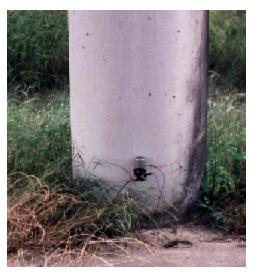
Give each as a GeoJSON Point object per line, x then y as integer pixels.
{"type": "Point", "coordinates": [227, 48]}
{"type": "Point", "coordinates": [37, 50]}
{"type": "Point", "coordinates": [224, 187]}
{"type": "Point", "coordinates": [39, 136]}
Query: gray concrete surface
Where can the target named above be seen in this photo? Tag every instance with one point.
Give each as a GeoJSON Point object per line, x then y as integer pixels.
{"type": "Point", "coordinates": [138, 86]}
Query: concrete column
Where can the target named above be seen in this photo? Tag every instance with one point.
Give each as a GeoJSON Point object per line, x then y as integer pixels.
{"type": "Point", "coordinates": [138, 84]}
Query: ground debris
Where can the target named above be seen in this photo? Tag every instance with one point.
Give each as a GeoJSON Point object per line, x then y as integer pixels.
{"type": "Point", "coordinates": [178, 243]}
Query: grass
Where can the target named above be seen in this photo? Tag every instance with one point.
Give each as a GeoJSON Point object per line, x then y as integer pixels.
{"type": "Point", "coordinates": [37, 50]}
{"type": "Point", "coordinates": [227, 48]}
{"type": "Point", "coordinates": [224, 188]}
{"type": "Point", "coordinates": [40, 216]}
{"type": "Point", "coordinates": [48, 210]}
{"type": "Point", "coordinates": [39, 136]}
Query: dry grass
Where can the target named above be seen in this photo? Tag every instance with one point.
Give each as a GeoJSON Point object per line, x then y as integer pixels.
{"type": "Point", "coordinates": [34, 218]}
{"type": "Point", "coordinates": [92, 253]}
{"type": "Point", "coordinates": [47, 227]}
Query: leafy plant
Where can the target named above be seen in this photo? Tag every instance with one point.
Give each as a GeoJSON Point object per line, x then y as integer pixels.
{"type": "Point", "coordinates": [224, 186]}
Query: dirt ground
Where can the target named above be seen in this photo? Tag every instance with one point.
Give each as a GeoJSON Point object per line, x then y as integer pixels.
{"type": "Point", "coordinates": [187, 246]}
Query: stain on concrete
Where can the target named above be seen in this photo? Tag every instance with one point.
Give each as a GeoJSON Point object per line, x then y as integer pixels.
{"type": "Point", "coordinates": [198, 152]}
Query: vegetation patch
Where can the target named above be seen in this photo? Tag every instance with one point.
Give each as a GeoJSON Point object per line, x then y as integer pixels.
{"type": "Point", "coordinates": [39, 144]}
{"type": "Point", "coordinates": [224, 187]}
{"type": "Point", "coordinates": [37, 50]}
{"type": "Point", "coordinates": [227, 49]}
{"type": "Point", "coordinates": [40, 216]}
{"type": "Point", "coordinates": [39, 138]}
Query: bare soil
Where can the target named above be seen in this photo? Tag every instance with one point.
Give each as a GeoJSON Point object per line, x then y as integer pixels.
{"type": "Point", "coordinates": [187, 246]}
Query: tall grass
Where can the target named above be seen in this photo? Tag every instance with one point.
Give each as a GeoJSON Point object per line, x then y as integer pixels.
{"type": "Point", "coordinates": [39, 136]}
{"type": "Point", "coordinates": [37, 50]}
{"type": "Point", "coordinates": [224, 187]}
{"type": "Point", "coordinates": [227, 49]}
